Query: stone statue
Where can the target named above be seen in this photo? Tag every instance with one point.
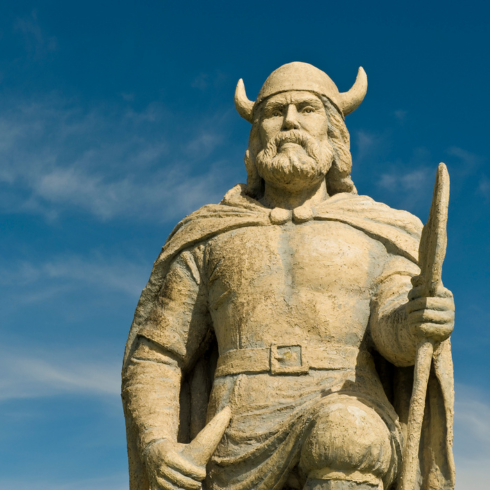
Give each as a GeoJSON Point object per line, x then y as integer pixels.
{"type": "Point", "coordinates": [282, 324]}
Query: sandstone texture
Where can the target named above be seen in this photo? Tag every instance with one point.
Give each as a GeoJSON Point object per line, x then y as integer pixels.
{"type": "Point", "coordinates": [275, 342]}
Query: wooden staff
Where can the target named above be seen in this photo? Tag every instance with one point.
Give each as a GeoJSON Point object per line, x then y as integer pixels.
{"type": "Point", "coordinates": [432, 251]}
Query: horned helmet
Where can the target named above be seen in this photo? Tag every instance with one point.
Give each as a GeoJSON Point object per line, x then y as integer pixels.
{"type": "Point", "coordinates": [302, 76]}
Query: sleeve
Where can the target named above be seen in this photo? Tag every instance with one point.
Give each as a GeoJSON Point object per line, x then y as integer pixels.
{"type": "Point", "coordinates": [172, 336]}
{"type": "Point", "coordinates": [180, 320]}
{"type": "Point", "coordinates": [388, 321]}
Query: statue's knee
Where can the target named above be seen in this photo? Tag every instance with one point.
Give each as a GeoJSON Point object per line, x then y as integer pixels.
{"type": "Point", "coordinates": [347, 436]}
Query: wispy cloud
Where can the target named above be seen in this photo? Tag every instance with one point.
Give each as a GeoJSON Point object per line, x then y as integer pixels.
{"type": "Point", "coordinates": [367, 143]}
{"type": "Point", "coordinates": [470, 161]}
{"type": "Point", "coordinates": [206, 80]}
{"type": "Point", "coordinates": [400, 115]}
{"type": "Point", "coordinates": [128, 97]}
{"type": "Point", "coordinates": [484, 186]}
{"type": "Point", "coordinates": [69, 290]}
{"type": "Point", "coordinates": [472, 438]}
{"type": "Point", "coordinates": [56, 157]}
{"type": "Point", "coordinates": [203, 144]}
{"type": "Point", "coordinates": [473, 419]}
{"type": "Point", "coordinates": [410, 188]}
{"type": "Point", "coordinates": [113, 482]}
{"type": "Point", "coordinates": [34, 375]}
{"type": "Point", "coordinates": [68, 272]}
{"type": "Point", "coordinates": [415, 178]}
{"type": "Point", "coordinates": [406, 181]}
{"type": "Point", "coordinates": [37, 43]}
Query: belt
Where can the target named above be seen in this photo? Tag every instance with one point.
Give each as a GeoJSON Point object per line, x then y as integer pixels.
{"type": "Point", "coordinates": [292, 359]}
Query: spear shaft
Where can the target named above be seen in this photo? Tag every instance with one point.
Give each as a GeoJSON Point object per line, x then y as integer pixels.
{"type": "Point", "coordinates": [432, 251]}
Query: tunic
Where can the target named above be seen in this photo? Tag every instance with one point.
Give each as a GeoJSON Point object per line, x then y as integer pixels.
{"type": "Point", "coordinates": [228, 269]}
{"type": "Point", "coordinates": [315, 284]}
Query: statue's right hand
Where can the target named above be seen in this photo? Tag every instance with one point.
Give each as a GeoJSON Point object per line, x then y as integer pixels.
{"type": "Point", "coordinates": [168, 469]}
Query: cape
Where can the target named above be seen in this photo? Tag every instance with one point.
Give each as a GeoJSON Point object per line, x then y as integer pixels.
{"type": "Point", "coordinates": [400, 232]}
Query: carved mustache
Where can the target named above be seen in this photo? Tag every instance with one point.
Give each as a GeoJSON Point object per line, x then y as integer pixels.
{"type": "Point", "coordinates": [294, 136]}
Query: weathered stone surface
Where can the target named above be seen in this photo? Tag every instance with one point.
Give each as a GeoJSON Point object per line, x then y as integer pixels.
{"type": "Point", "coordinates": [284, 322]}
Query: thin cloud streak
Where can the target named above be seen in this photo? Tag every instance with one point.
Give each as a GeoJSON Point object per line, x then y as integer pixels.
{"type": "Point", "coordinates": [104, 273]}
{"type": "Point", "coordinates": [367, 144]}
{"type": "Point", "coordinates": [409, 181]}
{"type": "Point", "coordinates": [32, 376]}
{"type": "Point", "coordinates": [60, 373]}
{"type": "Point", "coordinates": [415, 178]}
{"type": "Point", "coordinates": [115, 482]}
{"type": "Point", "coordinates": [469, 160]}
{"type": "Point", "coordinates": [55, 158]}
{"type": "Point", "coordinates": [66, 289]}
{"type": "Point", "coordinates": [37, 44]}
{"type": "Point", "coordinates": [414, 186]}
{"type": "Point", "coordinates": [472, 438]}
{"type": "Point", "coordinates": [484, 186]}
{"type": "Point", "coordinates": [401, 115]}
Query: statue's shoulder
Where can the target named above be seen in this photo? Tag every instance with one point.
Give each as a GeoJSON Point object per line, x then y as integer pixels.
{"type": "Point", "coordinates": [236, 202]}
{"type": "Point", "coordinates": [236, 210]}
{"type": "Point", "coordinates": [398, 230]}
{"type": "Point", "coordinates": [365, 207]}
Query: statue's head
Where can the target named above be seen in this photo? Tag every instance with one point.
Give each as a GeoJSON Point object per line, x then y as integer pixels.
{"type": "Point", "coordinates": [298, 134]}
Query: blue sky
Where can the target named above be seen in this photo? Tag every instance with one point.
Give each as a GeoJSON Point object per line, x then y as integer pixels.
{"type": "Point", "coordinates": [117, 119]}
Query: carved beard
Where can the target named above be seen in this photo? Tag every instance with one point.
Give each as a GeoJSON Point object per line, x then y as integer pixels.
{"type": "Point", "coordinates": [305, 162]}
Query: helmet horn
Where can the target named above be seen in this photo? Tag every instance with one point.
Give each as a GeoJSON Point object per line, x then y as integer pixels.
{"type": "Point", "coordinates": [243, 105]}
{"type": "Point", "coordinates": [351, 100]}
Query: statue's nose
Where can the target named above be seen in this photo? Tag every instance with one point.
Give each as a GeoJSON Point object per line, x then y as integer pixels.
{"type": "Point", "coordinates": [291, 118]}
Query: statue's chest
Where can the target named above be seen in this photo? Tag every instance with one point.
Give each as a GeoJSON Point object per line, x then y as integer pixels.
{"type": "Point", "coordinates": [319, 255]}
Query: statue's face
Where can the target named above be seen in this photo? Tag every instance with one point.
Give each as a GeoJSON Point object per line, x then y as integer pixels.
{"type": "Point", "coordinates": [293, 130]}
{"type": "Point", "coordinates": [293, 110]}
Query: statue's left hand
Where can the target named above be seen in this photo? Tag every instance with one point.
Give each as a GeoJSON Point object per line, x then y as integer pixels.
{"type": "Point", "coordinates": [430, 318]}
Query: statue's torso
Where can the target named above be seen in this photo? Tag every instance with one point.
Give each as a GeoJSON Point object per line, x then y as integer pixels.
{"type": "Point", "coordinates": [311, 283]}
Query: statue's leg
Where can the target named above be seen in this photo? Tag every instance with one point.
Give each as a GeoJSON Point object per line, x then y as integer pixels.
{"type": "Point", "coordinates": [349, 448]}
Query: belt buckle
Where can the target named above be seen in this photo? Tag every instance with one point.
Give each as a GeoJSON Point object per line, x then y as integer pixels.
{"type": "Point", "coordinates": [288, 359]}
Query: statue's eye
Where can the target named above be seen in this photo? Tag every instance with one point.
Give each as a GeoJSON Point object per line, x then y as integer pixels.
{"type": "Point", "coordinates": [277, 113]}
{"type": "Point", "coordinates": [308, 110]}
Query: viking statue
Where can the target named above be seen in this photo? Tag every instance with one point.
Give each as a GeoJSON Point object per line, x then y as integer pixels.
{"type": "Point", "coordinates": [281, 325]}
